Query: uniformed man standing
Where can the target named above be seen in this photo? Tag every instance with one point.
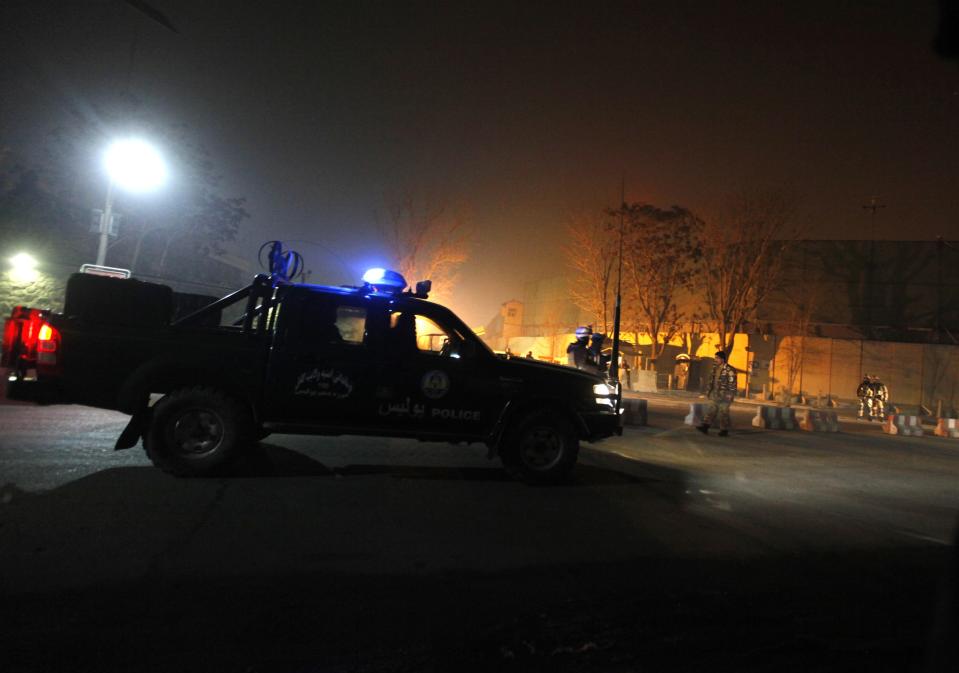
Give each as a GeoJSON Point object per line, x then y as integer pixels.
{"type": "Point", "coordinates": [596, 360]}
{"type": "Point", "coordinates": [720, 392]}
{"type": "Point", "coordinates": [578, 351]}
{"type": "Point", "coordinates": [864, 393]}
{"type": "Point", "coordinates": [880, 394]}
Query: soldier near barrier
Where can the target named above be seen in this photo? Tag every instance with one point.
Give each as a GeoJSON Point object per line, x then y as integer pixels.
{"type": "Point", "coordinates": [577, 353]}
{"type": "Point", "coordinates": [864, 393]}
{"type": "Point", "coordinates": [720, 391]}
{"type": "Point", "coordinates": [880, 395]}
{"type": "Point", "coordinates": [595, 359]}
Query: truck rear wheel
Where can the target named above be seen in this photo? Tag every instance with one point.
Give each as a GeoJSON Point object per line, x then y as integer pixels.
{"type": "Point", "coordinates": [540, 448]}
{"type": "Point", "coordinates": [197, 431]}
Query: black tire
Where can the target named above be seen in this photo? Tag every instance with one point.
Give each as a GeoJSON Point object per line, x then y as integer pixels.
{"type": "Point", "coordinates": [540, 448]}
{"type": "Point", "coordinates": [197, 432]}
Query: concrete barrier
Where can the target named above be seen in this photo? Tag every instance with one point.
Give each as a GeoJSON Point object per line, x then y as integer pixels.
{"type": "Point", "coordinates": [817, 420]}
{"type": "Point", "coordinates": [697, 410]}
{"type": "Point", "coordinates": [775, 418]}
{"type": "Point", "coordinates": [644, 381]}
{"type": "Point", "coordinates": [947, 427]}
{"type": "Point", "coordinates": [900, 424]}
{"type": "Point", "coordinates": [634, 411]}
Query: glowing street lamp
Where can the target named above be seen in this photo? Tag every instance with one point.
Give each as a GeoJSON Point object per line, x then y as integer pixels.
{"type": "Point", "coordinates": [134, 165]}
{"type": "Point", "coordinates": [23, 268]}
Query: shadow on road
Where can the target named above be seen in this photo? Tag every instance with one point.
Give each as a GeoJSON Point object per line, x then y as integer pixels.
{"type": "Point", "coordinates": [272, 461]}
{"type": "Point", "coordinates": [269, 460]}
{"type": "Point", "coordinates": [850, 612]}
{"type": "Point", "coordinates": [435, 569]}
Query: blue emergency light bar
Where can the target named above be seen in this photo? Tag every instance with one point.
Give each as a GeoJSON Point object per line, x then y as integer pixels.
{"type": "Point", "coordinates": [384, 280]}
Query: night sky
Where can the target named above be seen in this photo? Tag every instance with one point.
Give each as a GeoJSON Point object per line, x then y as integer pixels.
{"type": "Point", "coordinates": [521, 113]}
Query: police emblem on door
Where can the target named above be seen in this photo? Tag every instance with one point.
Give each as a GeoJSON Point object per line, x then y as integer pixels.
{"type": "Point", "coordinates": [435, 384]}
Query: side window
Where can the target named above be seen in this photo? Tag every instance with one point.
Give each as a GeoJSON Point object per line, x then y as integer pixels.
{"type": "Point", "coordinates": [413, 333]}
{"type": "Point", "coordinates": [351, 324]}
{"type": "Point", "coordinates": [326, 322]}
{"type": "Point", "coordinates": [232, 314]}
{"type": "Point", "coordinates": [430, 337]}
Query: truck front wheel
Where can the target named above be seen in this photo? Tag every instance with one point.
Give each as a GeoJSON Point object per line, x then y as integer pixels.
{"type": "Point", "coordinates": [540, 448]}
{"type": "Point", "coordinates": [197, 431]}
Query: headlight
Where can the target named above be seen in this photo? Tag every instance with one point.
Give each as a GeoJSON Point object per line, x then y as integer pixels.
{"type": "Point", "coordinates": [602, 389]}
{"type": "Point", "coordinates": [604, 394]}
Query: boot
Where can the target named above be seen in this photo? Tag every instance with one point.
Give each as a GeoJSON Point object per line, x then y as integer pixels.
{"type": "Point", "coordinates": [724, 433]}
{"type": "Point", "coordinates": [704, 428]}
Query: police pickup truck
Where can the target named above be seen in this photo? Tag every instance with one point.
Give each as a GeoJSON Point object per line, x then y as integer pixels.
{"type": "Point", "coordinates": [283, 357]}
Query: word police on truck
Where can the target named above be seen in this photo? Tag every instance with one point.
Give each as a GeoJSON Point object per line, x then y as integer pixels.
{"type": "Point", "coordinates": [277, 356]}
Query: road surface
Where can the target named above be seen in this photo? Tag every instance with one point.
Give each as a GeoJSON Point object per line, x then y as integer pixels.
{"type": "Point", "coordinates": [667, 550]}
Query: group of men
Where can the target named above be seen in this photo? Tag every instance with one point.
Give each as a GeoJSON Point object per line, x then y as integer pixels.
{"type": "Point", "coordinates": [873, 395]}
{"type": "Point", "coordinates": [586, 352]}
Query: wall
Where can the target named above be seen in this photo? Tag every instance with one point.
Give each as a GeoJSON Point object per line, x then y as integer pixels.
{"type": "Point", "coordinates": [914, 373]}
{"type": "Point", "coordinates": [888, 290]}
{"type": "Point", "coordinates": [41, 290]}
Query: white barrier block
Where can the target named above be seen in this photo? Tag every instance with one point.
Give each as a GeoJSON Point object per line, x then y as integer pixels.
{"type": "Point", "coordinates": [947, 427]}
{"type": "Point", "coordinates": [775, 418]}
{"type": "Point", "coordinates": [766, 417]}
{"type": "Point", "coordinates": [816, 420]}
{"type": "Point", "coordinates": [900, 424]}
{"type": "Point", "coordinates": [787, 417]}
{"type": "Point", "coordinates": [889, 426]}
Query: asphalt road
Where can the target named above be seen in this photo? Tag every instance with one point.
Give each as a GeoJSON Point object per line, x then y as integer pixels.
{"type": "Point", "coordinates": [668, 550]}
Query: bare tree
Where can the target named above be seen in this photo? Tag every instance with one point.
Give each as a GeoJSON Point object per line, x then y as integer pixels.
{"type": "Point", "coordinates": [941, 374]}
{"type": "Point", "coordinates": [661, 255]}
{"type": "Point", "coordinates": [694, 336]}
{"type": "Point", "coordinates": [552, 326]}
{"type": "Point", "coordinates": [804, 300]}
{"type": "Point", "coordinates": [591, 256]}
{"type": "Point", "coordinates": [742, 258]}
{"type": "Point", "coordinates": [427, 240]}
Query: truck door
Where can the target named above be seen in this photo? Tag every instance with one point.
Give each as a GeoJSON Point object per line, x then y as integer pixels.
{"type": "Point", "coordinates": [324, 364]}
{"type": "Point", "coordinates": [434, 385]}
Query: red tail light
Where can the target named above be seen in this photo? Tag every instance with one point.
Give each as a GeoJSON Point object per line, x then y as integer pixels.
{"type": "Point", "coordinates": [22, 337]}
{"type": "Point", "coordinates": [48, 339]}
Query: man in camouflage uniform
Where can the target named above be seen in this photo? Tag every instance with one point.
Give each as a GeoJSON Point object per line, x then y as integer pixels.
{"type": "Point", "coordinates": [720, 392]}
{"type": "Point", "coordinates": [880, 394]}
{"type": "Point", "coordinates": [864, 393]}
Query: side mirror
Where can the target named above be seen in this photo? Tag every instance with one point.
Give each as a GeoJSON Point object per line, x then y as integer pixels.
{"type": "Point", "coordinates": [423, 289]}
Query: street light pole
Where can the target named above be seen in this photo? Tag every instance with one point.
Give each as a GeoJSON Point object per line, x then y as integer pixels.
{"type": "Point", "coordinates": [872, 206]}
{"type": "Point", "coordinates": [614, 361]}
{"type": "Point", "coordinates": [105, 219]}
{"type": "Point", "coordinates": [134, 165]}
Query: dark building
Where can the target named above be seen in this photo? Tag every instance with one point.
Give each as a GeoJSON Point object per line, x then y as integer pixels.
{"type": "Point", "coordinates": [878, 290]}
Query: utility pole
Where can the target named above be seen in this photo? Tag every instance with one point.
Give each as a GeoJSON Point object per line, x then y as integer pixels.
{"type": "Point", "coordinates": [105, 220]}
{"type": "Point", "coordinates": [939, 244]}
{"type": "Point", "coordinates": [872, 206]}
{"type": "Point", "coordinates": [614, 361]}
